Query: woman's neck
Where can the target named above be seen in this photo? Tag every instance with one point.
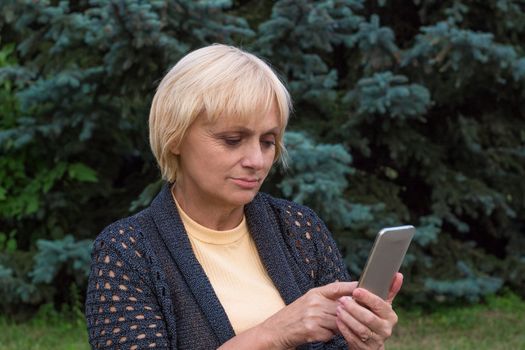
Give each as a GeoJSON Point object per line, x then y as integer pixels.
{"type": "Point", "coordinates": [207, 214]}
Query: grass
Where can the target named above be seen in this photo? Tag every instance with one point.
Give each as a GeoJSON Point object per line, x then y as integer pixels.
{"type": "Point", "coordinates": [497, 324]}
{"type": "Point", "coordinates": [49, 329]}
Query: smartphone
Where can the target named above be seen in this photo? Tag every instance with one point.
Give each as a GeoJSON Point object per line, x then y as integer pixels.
{"type": "Point", "coordinates": [385, 259]}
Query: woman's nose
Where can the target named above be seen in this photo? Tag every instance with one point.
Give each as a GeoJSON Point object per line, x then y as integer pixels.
{"type": "Point", "coordinates": [253, 156]}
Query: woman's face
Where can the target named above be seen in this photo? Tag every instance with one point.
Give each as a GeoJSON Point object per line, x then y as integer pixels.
{"type": "Point", "coordinates": [223, 164]}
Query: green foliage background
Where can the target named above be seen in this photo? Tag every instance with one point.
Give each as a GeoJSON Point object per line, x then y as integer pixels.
{"type": "Point", "coordinates": [405, 112]}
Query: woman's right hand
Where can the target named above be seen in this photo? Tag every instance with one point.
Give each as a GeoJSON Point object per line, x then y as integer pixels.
{"type": "Point", "coordinates": [311, 318]}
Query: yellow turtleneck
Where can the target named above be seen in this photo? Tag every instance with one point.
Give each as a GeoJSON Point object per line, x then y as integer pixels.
{"type": "Point", "coordinates": [237, 275]}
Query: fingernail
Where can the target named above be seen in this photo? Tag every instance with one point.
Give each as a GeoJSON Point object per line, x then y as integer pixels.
{"type": "Point", "coordinates": [345, 299]}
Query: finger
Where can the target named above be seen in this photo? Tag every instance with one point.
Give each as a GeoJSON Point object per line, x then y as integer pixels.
{"type": "Point", "coordinates": [366, 318]}
{"type": "Point", "coordinates": [377, 305]}
{"type": "Point", "coordinates": [395, 287]}
{"type": "Point", "coordinates": [353, 340]}
{"type": "Point", "coordinates": [336, 290]}
{"type": "Point", "coordinates": [382, 328]}
{"type": "Point", "coordinates": [319, 310]}
{"type": "Point", "coordinates": [356, 327]}
{"type": "Point", "coordinates": [327, 314]}
{"type": "Point", "coordinates": [322, 335]}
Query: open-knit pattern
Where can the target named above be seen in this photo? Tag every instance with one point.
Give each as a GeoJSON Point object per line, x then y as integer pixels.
{"type": "Point", "coordinates": [121, 308]}
{"type": "Point", "coordinates": [148, 291]}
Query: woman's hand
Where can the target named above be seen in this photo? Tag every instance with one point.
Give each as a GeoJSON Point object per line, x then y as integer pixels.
{"type": "Point", "coordinates": [365, 320]}
{"type": "Point", "coordinates": [310, 318]}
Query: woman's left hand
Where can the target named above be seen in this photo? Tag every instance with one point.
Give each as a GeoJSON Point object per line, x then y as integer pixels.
{"type": "Point", "coordinates": [365, 320]}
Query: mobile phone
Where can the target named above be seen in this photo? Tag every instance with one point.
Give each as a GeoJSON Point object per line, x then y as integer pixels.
{"type": "Point", "coordinates": [385, 259]}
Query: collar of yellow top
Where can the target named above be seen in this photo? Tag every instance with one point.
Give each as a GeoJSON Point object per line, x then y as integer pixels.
{"type": "Point", "coordinates": [207, 235]}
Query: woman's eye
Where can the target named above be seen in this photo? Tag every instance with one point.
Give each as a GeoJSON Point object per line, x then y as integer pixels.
{"type": "Point", "coordinates": [232, 141]}
{"type": "Point", "coordinates": [268, 143]}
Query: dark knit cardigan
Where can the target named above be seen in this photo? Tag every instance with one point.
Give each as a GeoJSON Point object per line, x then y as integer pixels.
{"type": "Point", "coordinates": [147, 289]}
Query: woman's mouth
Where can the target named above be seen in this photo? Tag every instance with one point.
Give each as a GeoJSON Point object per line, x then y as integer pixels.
{"type": "Point", "coordinates": [247, 183]}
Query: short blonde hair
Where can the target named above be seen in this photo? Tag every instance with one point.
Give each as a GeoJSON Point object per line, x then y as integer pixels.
{"type": "Point", "coordinates": [218, 81]}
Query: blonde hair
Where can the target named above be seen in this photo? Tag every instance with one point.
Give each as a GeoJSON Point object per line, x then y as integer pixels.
{"type": "Point", "coordinates": [218, 81]}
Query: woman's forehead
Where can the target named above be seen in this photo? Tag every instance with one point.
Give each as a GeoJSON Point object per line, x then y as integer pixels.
{"type": "Point", "coordinates": [240, 115]}
{"type": "Point", "coordinates": [265, 119]}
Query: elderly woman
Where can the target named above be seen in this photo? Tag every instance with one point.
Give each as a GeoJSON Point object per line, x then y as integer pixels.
{"type": "Point", "coordinates": [213, 263]}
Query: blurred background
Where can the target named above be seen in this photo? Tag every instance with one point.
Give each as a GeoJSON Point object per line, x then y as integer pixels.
{"type": "Point", "coordinates": [405, 112]}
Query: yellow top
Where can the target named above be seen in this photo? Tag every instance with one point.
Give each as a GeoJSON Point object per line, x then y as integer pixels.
{"type": "Point", "coordinates": [237, 275]}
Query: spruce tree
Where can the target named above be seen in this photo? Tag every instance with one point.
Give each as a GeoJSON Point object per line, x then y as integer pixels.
{"type": "Point", "coordinates": [405, 112]}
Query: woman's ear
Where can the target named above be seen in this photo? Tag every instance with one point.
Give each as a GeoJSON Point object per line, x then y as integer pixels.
{"type": "Point", "coordinates": [175, 148]}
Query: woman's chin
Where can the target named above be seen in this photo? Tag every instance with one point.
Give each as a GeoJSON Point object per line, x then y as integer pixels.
{"type": "Point", "coordinates": [243, 198]}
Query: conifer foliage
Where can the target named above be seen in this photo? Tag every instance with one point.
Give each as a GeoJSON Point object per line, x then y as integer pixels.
{"type": "Point", "coordinates": [404, 112]}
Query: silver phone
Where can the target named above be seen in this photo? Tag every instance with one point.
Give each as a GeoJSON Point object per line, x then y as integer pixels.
{"type": "Point", "coordinates": [385, 259]}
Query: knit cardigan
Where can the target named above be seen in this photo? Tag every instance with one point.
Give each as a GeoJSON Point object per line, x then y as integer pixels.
{"type": "Point", "coordinates": [148, 291]}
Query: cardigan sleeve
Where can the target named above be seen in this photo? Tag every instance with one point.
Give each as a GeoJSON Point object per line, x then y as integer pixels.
{"type": "Point", "coordinates": [312, 244]}
{"type": "Point", "coordinates": [122, 309]}
{"type": "Point", "coordinates": [316, 252]}
{"type": "Point", "coordinates": [330, 264]}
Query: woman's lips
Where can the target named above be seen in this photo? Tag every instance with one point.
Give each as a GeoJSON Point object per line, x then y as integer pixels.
{"type": "Point", "coordinates": [246, 183]}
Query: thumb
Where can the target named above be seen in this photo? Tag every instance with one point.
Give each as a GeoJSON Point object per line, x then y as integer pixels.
{"type": "Point", "coordinates": [395, 287]}
{"type": "Point", "coordinates": [336, 290]}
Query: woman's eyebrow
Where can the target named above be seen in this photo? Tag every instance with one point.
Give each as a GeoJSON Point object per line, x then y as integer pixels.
{"type": "Point", "coordinates": [274, 130]}
{"type": "Point", "coordinates": [246, 131]}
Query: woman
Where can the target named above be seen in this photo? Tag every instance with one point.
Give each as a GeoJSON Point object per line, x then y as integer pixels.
{"type": "Point", "coordinates": [212, 263]}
